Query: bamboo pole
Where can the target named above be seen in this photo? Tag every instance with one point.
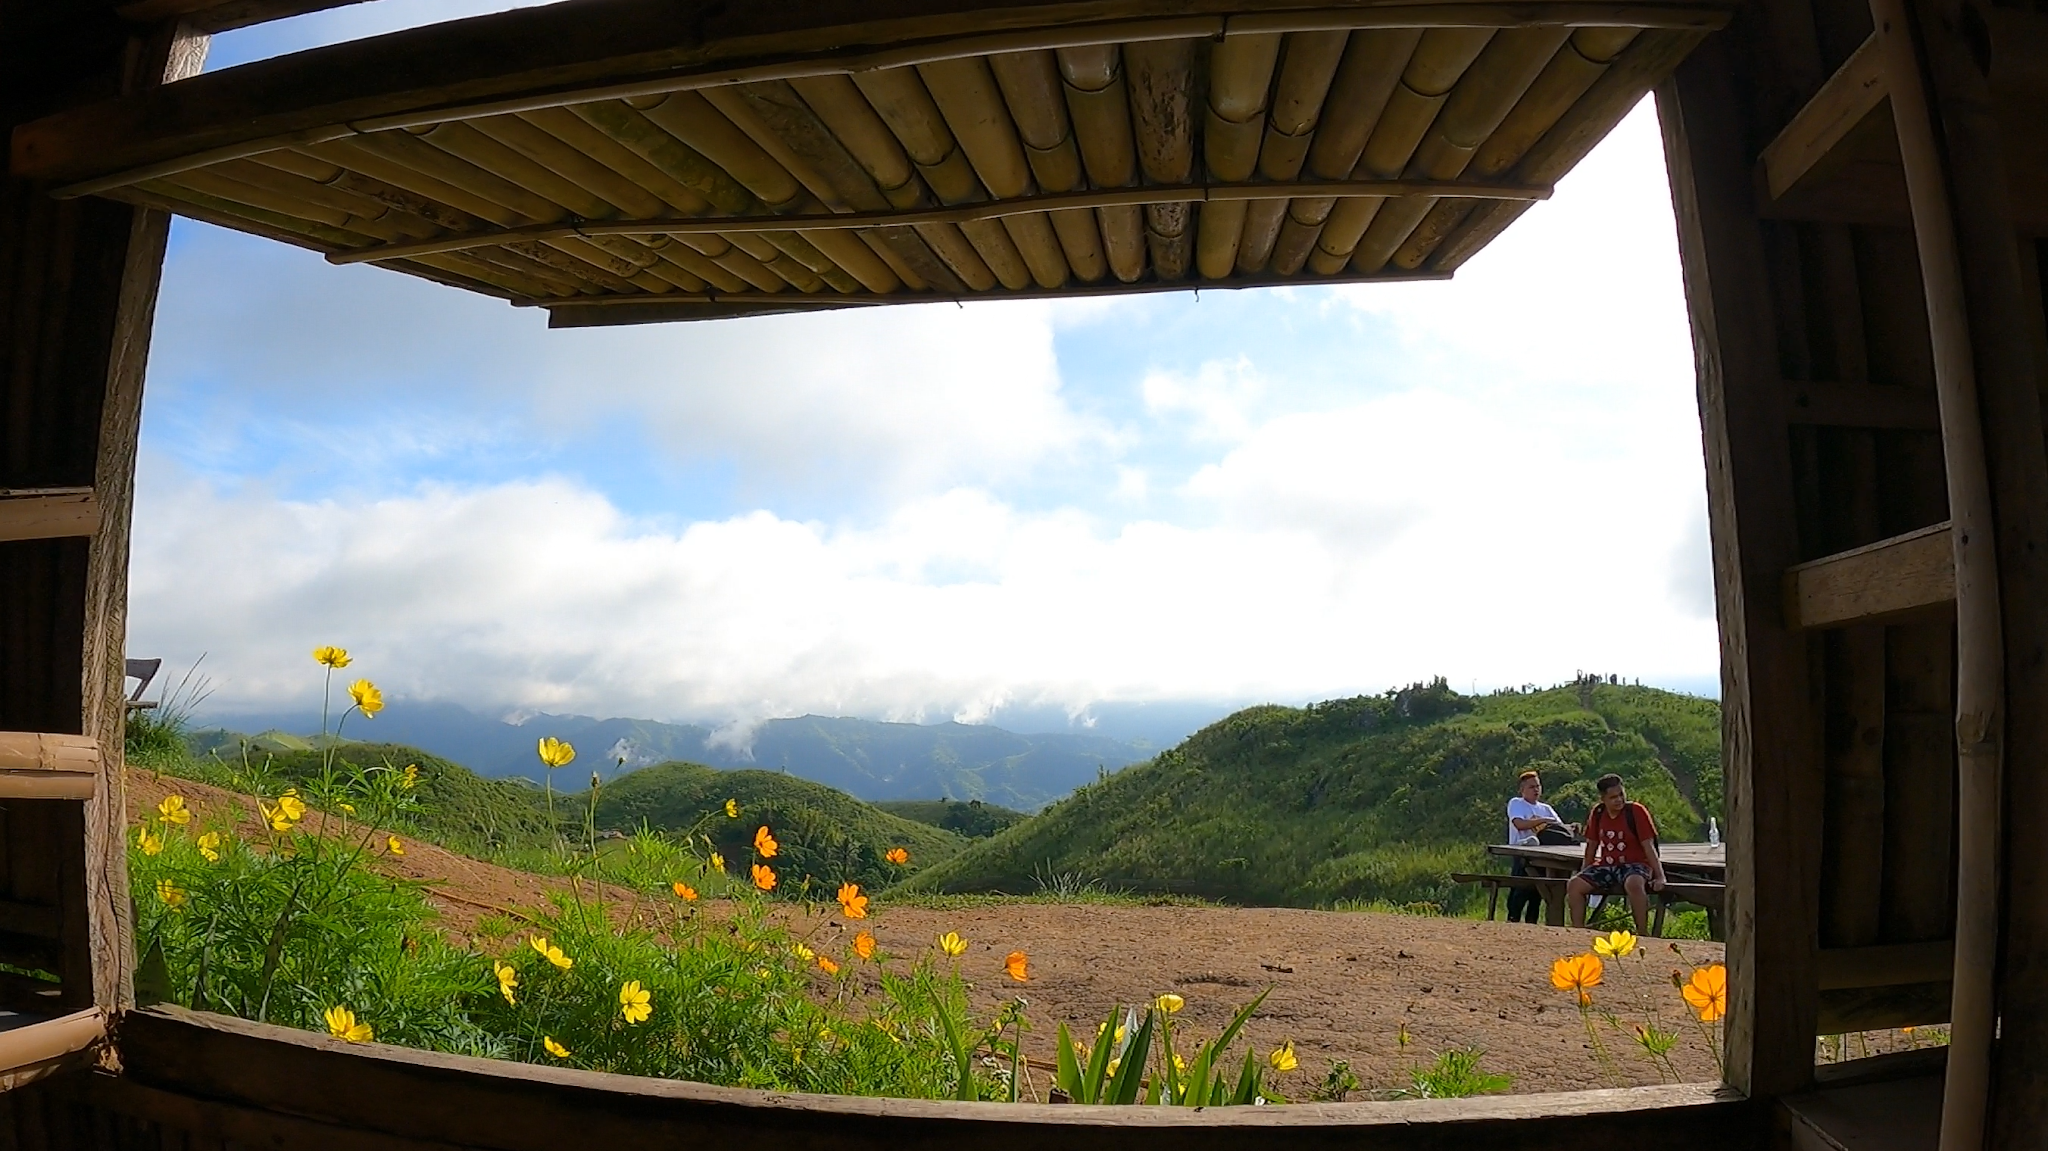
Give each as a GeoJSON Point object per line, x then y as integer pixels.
{"type": "Point", "coordinates": [856, 125]}
{"type": "Point", "coordinates": [351, 155]}
{"type": "Point", "coordinates": [371, 211]}
{"type": "Point", "coordinates": [673, 158]}
{"type": "Point", "coordinates": [1365, 80]}
{"type": "Point", "coordinates": [221, 186]}
{"type": "Point", "coordinates": [1034, 92]}
{"type": "Point", "coordinates": [716, 275]}
{"type": "Point", "coordinates": [1482, 99]}
{"type": "Point", "coordinates": [899, 96]}
{"type": "Point", "coordinates": [463, 140]}
{"type": "Point", "coordinates": [1440, 59]}
{"type": "Point", "coordinates": [582, 136]}
{"type": "Point", "coordinates": [966, 94]}
{"type": "Point", "coordinates": [692, 119]}
{"type": "Point", "coordinates": [1161, 79]}
{"type": "Point", "coordinates": [1980, 640]}
{"type": "Point", "coordinates": [1308, 65]}
{"type": "Point", "coordinates": [750, 106]}
{"type": "Point", "coordinates": [1583, 60]}
{"type": "Point", "coordinates": [1240, 76]}
{"type": "Point", "coordinates": [614, 192]}
{"type": "Point", "coordinates": [1093, 82]}
{"type": "Point", "coordinates": [409, 148]}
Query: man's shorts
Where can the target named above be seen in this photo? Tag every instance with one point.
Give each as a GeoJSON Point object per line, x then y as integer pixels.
{"type": "Point", "coordinates": [1611, 876]}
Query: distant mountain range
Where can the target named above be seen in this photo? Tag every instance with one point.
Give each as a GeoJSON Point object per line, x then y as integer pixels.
{"type": "Point", "coordinates": [864, 758]}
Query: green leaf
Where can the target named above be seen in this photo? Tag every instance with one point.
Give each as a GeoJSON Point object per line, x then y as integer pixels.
{"type": "Point", "coordinates": [1123, 1090]}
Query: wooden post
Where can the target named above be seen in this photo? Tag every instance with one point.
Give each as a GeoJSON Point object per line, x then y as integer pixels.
{"type": "Point", "coordinates": [1770, 733]}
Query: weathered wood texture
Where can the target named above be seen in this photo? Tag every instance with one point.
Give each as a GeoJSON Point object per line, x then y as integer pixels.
{"type": "Point", "coordinates": [1876, 582]}
{"type": "Point", "coordinates": [1770, 732]}
{"type": "Point", "coordinates": [206, 1079]}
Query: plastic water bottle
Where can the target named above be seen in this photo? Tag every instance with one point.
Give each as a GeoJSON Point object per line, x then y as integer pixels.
{"type": "Point", "coordinates": [1713, 833]}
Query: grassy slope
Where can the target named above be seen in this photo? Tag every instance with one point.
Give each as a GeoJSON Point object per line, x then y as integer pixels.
{"type": "Point", "coordinates": [824, 833]}
{"type": "Point", "coordinates": [1376, 797]}
{"type": "Point", "coordinates": [973, 819]}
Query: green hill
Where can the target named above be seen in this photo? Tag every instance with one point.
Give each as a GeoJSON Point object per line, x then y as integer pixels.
{"type": "Point", "coordinates": [1371, 798]}
{"type": "Point", "coordinates": [825, 834]}
{"type": "Point", "coordinates": [973, 818]}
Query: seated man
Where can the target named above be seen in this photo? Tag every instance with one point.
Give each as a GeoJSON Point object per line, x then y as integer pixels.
{"type": "Point", "coordinates": [1621, 854]}
{"type": "Point", "coordinates": [1528, 818]}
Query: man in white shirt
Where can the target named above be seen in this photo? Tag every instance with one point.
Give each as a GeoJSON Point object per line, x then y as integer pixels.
{"type": "Point", "coordinates": [1528, 815]}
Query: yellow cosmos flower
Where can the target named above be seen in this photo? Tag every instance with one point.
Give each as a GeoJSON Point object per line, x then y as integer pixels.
{"type": "Point", "coordinates": [508, 978]}
{"type": "Point", "coordinates": [347, 808]}
{"type": "Point", "coordinates": [169, 894]}
{"type": "Point", "coordinates": [1614, 944]}
{"type": "Point", "coordinates": [335, 657]}
{"type": "Point", "coordinates": [732, 809]}
{"type": "Point", "coordinates": [635, 1002]}
{"type": "Point", "coordinates": [897, 856]}
{"type": "Point", "coordinates": [717, 862]}
{"type": "Point", "coordinates": [554, 752]}
{"type": "Point", "coordinates": [683, 891]}
{"type": "Point", "coordinates": [368, 699]}
{"type": "Point", "coordinates": [827, 966]}
{"type": "Point", "coordinates": [550, 952]}
{"type": "Point", "coordinates": [1179, 1064]}
{"type": "Point", "coordinates": [952, 944]}
{"type": "Point", "coordinates": [852, 902]}
{"type": "Point", "coordinates": [1016, 963]}
{"type": "Point", "coordinates": [1707, 992]}
{"type": "Point", "coordinates": [553, 1048]}
{"type": "Point", "coordinates": [150, 844]}
{"type": "Point", "coordinates": [1169, 1003]}
{"type": "Point", "coordinates": [1110, 1068]}
{"type": "Point", "coordinates": [1283, 1059]}
{"type": "Point", "coordinates": [804, 953]}
{"type": "Point", "coordinates": [1579, 973]}
{"type": "Point", "coordinates": [864, 945]}
{"type": "Point", "coordinates": [764, 877]}
{"type": "Point", "coordinates": [412, 775]}
{"type": "Point", "coordinates": [341, 1023]}
{"type": "Point", "coordinates": [765, 845]}
{"type": "Point", "coordinates": [209, 846]}
{"type": "Point", "coordinates": [392, 845]}
{"type": "Point", "coordinates": [292, 806]}
{"type": "Point", "coordinates": [173, 810]}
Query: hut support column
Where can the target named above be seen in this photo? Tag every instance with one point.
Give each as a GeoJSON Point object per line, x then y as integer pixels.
{"type": "Point", "coordinates": [1986, 379]}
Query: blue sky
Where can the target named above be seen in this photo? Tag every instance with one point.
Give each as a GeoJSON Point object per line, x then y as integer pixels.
{"type": "Point", "coordinates": [933, 511]}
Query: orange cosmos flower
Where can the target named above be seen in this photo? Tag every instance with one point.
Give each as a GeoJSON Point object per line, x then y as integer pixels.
{"type": "Point", "coordinates": [1578, 973]}
{"type": "Point", "coordinates": [683, 890]}
{"type": "Point", "coordinates": [827, 966]}
{"type": "Point", "coordinates": [852, 902]}
{"type": "Point", "coordinates": [1707, 992]}
{"type": "Point", "coordinates": [897, 856]}
{"type": "Point", "coordinates": [765, 845]}
{"type": "Point", "coordinates": [864, 945]}
{"type": "Point", "coordinates": [1015, 963]}
{"type": "Point", "coordinates": [764, 877]}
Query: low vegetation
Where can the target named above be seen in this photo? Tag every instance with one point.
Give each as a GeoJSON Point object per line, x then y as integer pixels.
{"type": "Point", "coordinates": [972, 818]}
{"type": "Point", "coordinates": [1373, 800]}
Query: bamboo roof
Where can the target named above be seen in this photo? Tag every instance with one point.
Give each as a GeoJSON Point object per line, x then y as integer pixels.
{"type": "Point", "coordinates": [626, 161]}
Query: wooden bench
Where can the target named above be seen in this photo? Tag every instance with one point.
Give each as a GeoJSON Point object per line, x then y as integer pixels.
{"type": "Point", "coordinates": [1706, 895]}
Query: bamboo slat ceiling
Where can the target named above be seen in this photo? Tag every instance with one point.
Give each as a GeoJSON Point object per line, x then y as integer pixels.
{"type": "Point", "coordinates": [1032, 150]}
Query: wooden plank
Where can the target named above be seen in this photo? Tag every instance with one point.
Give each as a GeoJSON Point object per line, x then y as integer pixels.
{"type": "Point", "coordinates": [1886, 965]}
{"type": "Point", "coordinates": [587, 49]}
{"type": "Point", "coordinates": [1882, 1008]}
{"type": "Point", "coordinates": [27, 1050]}
{"type": "Point", "coordinates": [48, 514]}
{"type": "Point", "coordinates": [223, 15]}
{"type": "Point", "coordinates": [1771, 736]}
{"type": "Point", "coordinates": [483, 1103]}
{"type": "Point", "coordinates": [1861, 406]}
{"type": "Point", "coordinates": [1803, 149]}
{"type": "Point", "coordinates": [31, 751]}
{"type": "Point", "coordinates": [1881, 581]}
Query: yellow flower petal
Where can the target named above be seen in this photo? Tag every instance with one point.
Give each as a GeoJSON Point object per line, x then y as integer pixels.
{"type": "Point", "coordinates": [554, 752]}
{"type": "Point", "coordinates": [392, 845]}
{"type": "Point", "coordinates": [367, 698]}
{"type": "Point", "coordinates": [1283, 1058]}
{"type": "Point", "coordinates": [635, 1002]}
{"type": "Point", "coordinates": [732, 809]}
{"type": "Point", "coordinates": [335, 657]}
{"type": "Point", "coordinates": [1169, 1003]}
{"type": "Point", "coordinates": [342, 1024]}
{"type": "Point", "coordinates": [173, 810]}
{"type": "Point", "coordinates": [952, 944]}
{"type": "Point", "coordinates": [553, 1048]}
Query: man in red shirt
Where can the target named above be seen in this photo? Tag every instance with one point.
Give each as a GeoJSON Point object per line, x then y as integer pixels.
{"type": "Point", "coordinates": [1621, 854]}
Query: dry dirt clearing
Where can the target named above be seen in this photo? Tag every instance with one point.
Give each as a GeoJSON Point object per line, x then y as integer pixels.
{"type": "Point", "coordinates": [1344, 984]}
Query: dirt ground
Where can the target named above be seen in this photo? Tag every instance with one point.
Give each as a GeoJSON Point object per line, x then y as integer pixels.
{"type": "Point", "coordinates": [1345, 985]}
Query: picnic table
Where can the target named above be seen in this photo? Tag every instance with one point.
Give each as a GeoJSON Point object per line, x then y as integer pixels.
{"type": "Point", "coordinates": [1694, 873]}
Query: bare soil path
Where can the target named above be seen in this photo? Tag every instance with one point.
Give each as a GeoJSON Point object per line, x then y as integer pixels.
{"type": "Point", "coordinates": [1345, 985]}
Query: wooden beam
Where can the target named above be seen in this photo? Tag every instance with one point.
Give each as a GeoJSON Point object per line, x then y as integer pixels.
{"type": "Point", "coordinates": [1805, 145]}
{"type": "Point", "coordinates": [1831, 405]}
{"type": "Point", "coordinates": [222, 15]}
{"type": "Point", "coordinates": [961, 214]}
{"type": "Point", "coordinates": [27, 1053]}
{"type": "Point", "coordinates": [1882, 581]}
{"type": "Point", "coordinates": [1886, 965]}
{"type": "Point", "coordinates": [48, 513]}
{"type": "Point", "coordinates": [1882, 1008]}
{"type": "Point", "coordinates": [29, 918]}
{"type": "Point", "coordinates": [590, 49]}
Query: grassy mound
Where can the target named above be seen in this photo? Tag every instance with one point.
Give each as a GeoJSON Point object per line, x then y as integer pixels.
{"type": "Point", "coordinates": [825, 834]}
{"type": "Point", "coordinates": [973, 819]}
{"type": "Point", "coordinates": [1371, 799]}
